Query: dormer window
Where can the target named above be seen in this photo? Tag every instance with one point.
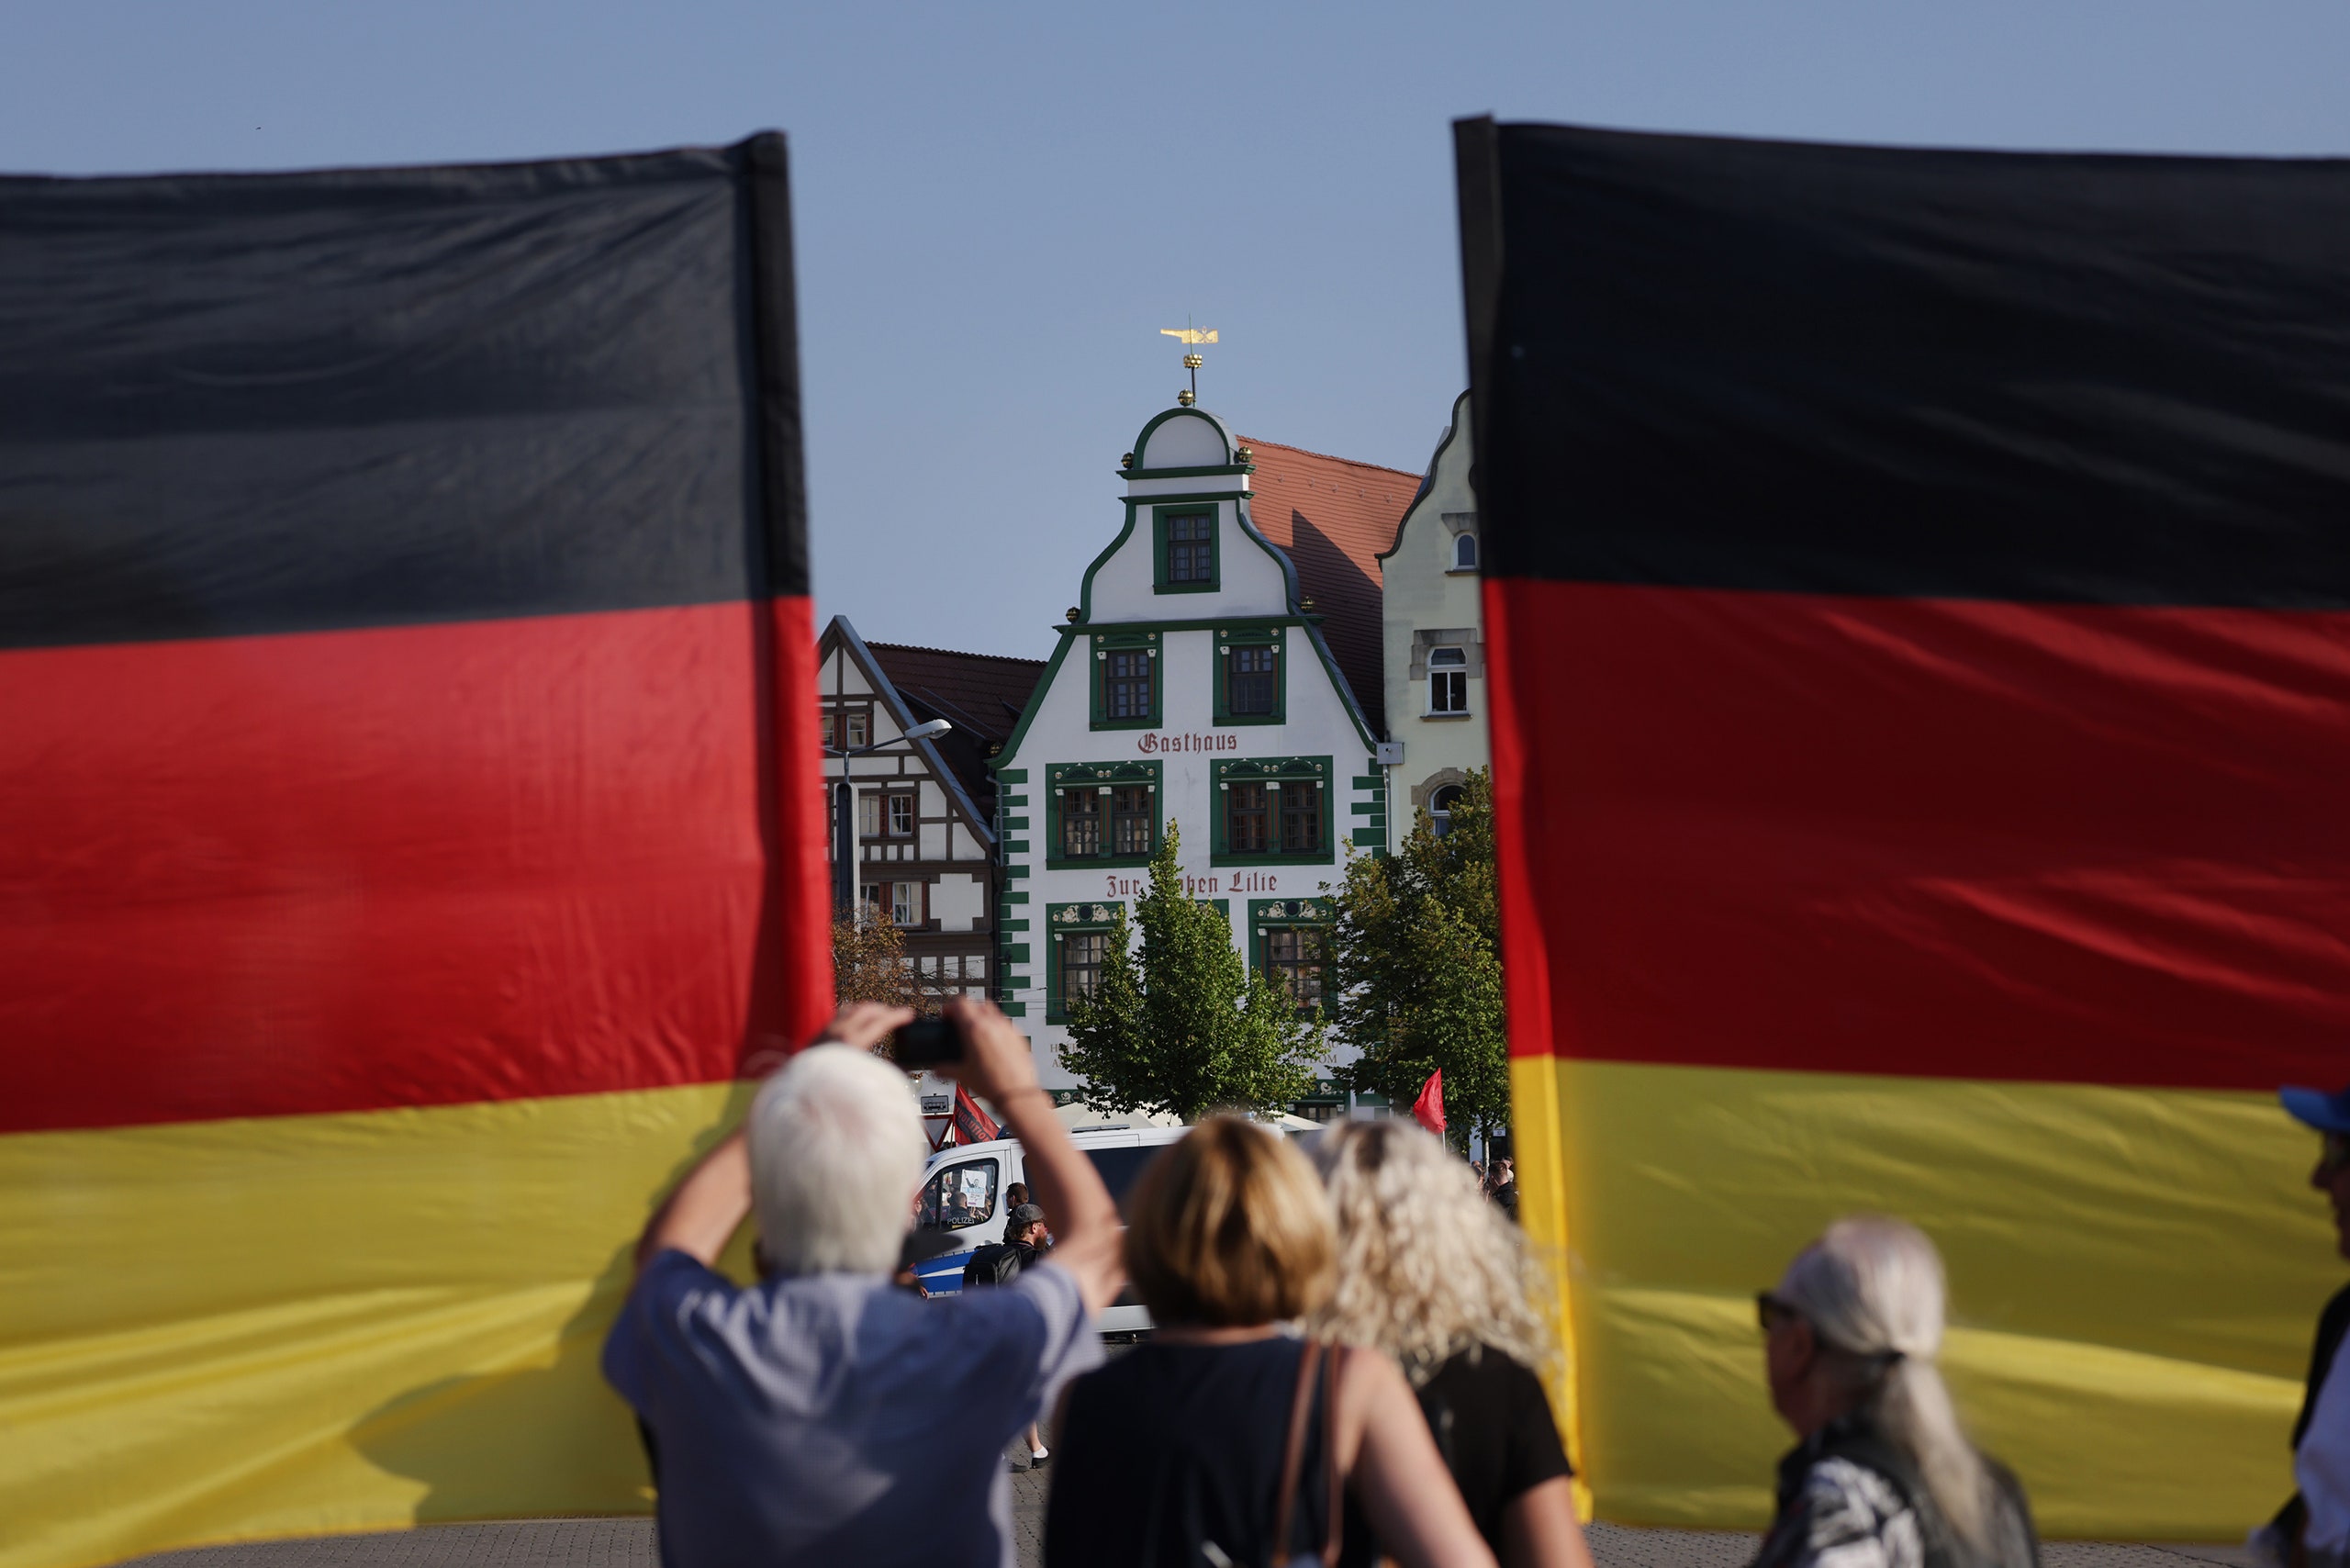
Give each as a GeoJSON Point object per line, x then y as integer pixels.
{"type": "Point", "coordinates": [1464, 552]}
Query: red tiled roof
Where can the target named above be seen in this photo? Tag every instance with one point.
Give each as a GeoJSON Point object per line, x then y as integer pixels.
{"type": "Point", "coordinates": [980, 694]}
{"type": "Point", "coordinates": [1332, 517]}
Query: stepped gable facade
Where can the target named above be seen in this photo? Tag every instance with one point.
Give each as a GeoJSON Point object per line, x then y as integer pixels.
{"type": "Point", "coordinates": [1332, 517]}
{"type": "Point", "coordinates": [1193, 689]}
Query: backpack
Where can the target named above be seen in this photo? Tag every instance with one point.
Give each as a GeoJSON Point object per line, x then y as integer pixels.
{"type": "Point", "coordinates": [996, 1263]}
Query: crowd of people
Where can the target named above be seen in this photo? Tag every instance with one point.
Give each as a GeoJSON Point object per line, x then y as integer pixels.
{"type": "Point", "coordinates": [1346, 1363]}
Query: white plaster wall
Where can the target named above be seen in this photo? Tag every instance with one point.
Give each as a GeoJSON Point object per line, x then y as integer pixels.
{"type": "Point", "coordinates": [956, 902]}
{"type": "Point", "coordinates": [1419, 592]}
{"type": "Point", "coordinates": [1185, 441]}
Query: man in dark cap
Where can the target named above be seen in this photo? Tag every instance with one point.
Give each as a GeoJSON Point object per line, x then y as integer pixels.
{"type": "Point", "coordinates": [2314, 1528]}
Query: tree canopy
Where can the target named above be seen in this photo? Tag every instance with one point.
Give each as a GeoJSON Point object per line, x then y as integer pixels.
{"type": "Point", "coordinates": [1182, 1027]}
{"type": "Point", "coordinates": [1417, 944]}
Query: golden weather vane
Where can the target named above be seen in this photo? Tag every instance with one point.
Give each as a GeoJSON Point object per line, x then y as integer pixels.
{"type": "Point", "coordinates": [1188, 336]}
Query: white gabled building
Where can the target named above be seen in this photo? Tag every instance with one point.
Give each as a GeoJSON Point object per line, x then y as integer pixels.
{"type": "Point", "coordinates": [1192, 687]}
{"type": "Point", "coordinates": [1433, 638]}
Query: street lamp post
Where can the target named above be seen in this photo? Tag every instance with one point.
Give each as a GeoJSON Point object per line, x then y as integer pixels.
{"type": "Point", "coordinates": [844, 813]}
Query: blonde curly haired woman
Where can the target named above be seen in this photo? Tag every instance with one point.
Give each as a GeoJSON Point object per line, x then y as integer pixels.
{"type": "Point", "coordinates": [1434, 1275]}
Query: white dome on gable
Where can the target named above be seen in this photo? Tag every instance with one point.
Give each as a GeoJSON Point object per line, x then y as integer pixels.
{"type": "Point", "coordinates": [1184, 438]}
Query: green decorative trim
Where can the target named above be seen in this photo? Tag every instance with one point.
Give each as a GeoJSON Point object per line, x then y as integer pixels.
{"type": "Point", "coordinates": [1011, 1009]}
{"type": "Point", "coordinates": [1270, 770]}
{"type": "Point", "coordinates": [1260, 634]}
{"type": "Point", "coordinates": [1012, 872]}
{"type": "Point", "coordinates": [1142, 442]}
{"type": "Point", "coordinates": [1098, 657]}
{"type": "Point", "coordinates": [1368, 808]}
{"type": "Point", "coordinates": [1232, 469]}
{"type": "Point", "coordinates": [1265, 914]}
{"type": "Point", "coordinates": [1160, 514]}
{"type": "Point", "coordinates": [1016, 953]}
{"type": "Point", "coordinates": [1060, 919]}
{"type": "Point", "coordinates": [1371, 782]}
{"type": "Point", "coordinates": [1015, 825]}
{"type": "Point", "coordinates": [1028, 716]}
{"type": "Point", "coordinates": [1010, 801]}
{"type": "Point", "coordinates": [1014, 896]}
{"type": "Point", "coordinates": [1370, 838]}
{"type": "Point", "coordinates": [1018, 847]}
{"type": "Point", "coordinates": [1008, 926]}
{"type": "Point", "coordinates": [1105, 777]}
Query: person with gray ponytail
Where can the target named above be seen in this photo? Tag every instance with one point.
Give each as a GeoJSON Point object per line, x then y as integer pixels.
{"type": "Point", "coordinates": [1884, 1477]}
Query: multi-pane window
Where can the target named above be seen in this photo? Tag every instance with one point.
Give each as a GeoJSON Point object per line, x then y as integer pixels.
{"type": "Point", "coordinates": [1464, 553]}
{"type": "Point", "coordinates": [1081, 822]}
{"type": "Point", "coordinates": [1300, 817]}
{"type": "Point", "coordinates": [1133, 819]}
{"type": "Point", "coordinates": [900, 904]}
{"type": "Point", "coordinates": [1081, 956]}
{"type": "Point", "coordinates": [1190, 547]}
{"type": "Point", "coordinates": [860, 729]}
{"type": "Point", "coordinates": [1126, 685]}
{"type": "Point", "coordinates": [1245, 819]}
{"type": "Point", "coordinates": [1447, 680]}
{"type": "Point", "coordinates": [1248, 681]}
{"type": "Point", "coordinates": [902, 813]}
{"type": "Point", "coordinates": [832, 728]}
{"type": "Point", "coordinates": [868, 815]}
{"type": "Point", "coordinates": [1297, 956]}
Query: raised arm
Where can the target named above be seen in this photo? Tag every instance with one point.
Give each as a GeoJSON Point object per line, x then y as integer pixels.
{"type": "Point", "coordinates": [701, 1215]}
{"type": "Point", "coordinates": [996, 1064]}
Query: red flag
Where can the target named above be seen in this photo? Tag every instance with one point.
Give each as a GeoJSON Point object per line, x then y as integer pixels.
{"type": "Point", "coordinates": [971, 1124]}
{"type": "Point", "coordinates": [1428, 1109]}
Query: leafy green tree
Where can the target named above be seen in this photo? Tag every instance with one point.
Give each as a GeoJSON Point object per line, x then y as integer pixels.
{"type": "Point", "coordinates": [1183, 1027]}
{"type": "Point", "coordinates": [1417, 952]}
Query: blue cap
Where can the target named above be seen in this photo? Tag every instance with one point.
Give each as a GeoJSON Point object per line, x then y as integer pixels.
{"type": "Point", "coordinates": [2316, 1108]}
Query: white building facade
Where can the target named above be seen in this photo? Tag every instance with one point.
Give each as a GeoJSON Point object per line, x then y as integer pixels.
{"type": "Point", "coordinates": [1192, 688]}
{"type": "Point", "coordinates": [1432, 638]}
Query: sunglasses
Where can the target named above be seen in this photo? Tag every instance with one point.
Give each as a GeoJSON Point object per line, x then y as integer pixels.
{"type": "Point", "coordinates": [1770, 1311]}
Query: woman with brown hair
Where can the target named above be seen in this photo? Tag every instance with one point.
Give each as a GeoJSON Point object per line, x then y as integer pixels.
{"type": "Point", "coordinates": [1436, 1275]}
{"type": "Point", "coordinates": [1225, 1441]}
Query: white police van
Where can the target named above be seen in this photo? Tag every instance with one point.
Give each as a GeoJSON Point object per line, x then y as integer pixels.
{"type": "Point", "coordinates": [962, 1194]}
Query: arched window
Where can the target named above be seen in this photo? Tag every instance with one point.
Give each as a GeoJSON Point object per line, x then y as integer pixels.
{"type": "Point", "coordinates": [1447, 680]}
{"type": "Point", "coordinates": [1440, 806]}
{"type": "Point", "coordinates": [1464, 552]}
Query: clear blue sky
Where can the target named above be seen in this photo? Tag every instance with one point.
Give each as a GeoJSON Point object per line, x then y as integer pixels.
{"type": "Point", "coordinates": [999, 204]}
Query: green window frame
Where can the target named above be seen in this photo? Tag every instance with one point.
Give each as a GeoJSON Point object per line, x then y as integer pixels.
{"type": "Point", "coordinates": [1171, 553]}
{"type": "Point", "coordinates": [1063, 923]}
{"type": "Point", "coordinates": [1266, 777]}
{"type": "Point", "coordinates": [1239, 645]}
{"type": "Point", "coordinates": [1112, 651]}
{"type": "Point", "coordinates": [1269, 919]}
{"type": "Point", "coordinates": [1105, 782]}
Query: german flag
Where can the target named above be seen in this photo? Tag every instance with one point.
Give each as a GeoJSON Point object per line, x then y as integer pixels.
{"type": "Point", "coordinates": [410, 823]}
{"type": "Point", "coordinates": [1917, 584]}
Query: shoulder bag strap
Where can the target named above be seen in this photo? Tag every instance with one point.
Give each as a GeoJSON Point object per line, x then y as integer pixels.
{"type": "Point", "coordinates": [1338, 1502]}
{"type": "Point", "coordinates": [1301, 1407]}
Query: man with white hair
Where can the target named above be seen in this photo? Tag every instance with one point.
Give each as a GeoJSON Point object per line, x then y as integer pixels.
{"type": "Point", "coordinates": [823, 1415]}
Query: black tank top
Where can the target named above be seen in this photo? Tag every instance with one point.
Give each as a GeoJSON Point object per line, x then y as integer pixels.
{"type": "Point", "coordinates": [1171, 1450]}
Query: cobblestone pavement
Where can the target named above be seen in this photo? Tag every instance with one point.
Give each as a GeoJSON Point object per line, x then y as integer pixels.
{"type": "Point", "coordinates": [627, 1543]}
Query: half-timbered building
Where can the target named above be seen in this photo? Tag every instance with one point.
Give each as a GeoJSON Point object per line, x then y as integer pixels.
{"type": "Point", "coordinates": [924, 812]}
